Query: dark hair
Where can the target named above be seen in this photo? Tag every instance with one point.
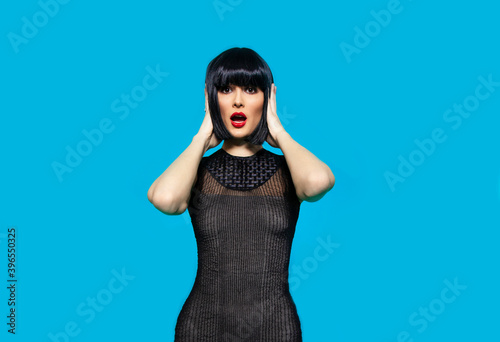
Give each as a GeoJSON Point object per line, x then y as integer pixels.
{"type": "Point", "coordinates": [241, 67]}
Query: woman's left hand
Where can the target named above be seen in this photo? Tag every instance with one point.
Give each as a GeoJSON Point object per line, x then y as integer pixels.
{"type": "Point", "coordinates": [273, 122]}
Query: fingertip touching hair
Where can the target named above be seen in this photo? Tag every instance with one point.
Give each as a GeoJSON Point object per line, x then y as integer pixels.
{"type": "Point", "coordinates": [241, 67]}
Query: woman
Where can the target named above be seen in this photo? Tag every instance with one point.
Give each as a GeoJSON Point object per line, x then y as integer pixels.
{"type": "Point", "coordinates": [244, 203]}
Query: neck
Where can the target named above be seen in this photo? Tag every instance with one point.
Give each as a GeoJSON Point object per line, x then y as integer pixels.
{"type": "Point", "coordinates": [240, 147]}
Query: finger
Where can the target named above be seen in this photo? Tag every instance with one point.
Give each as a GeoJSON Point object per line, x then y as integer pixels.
{"type": "Point", "coordinates": [270, 101]}
{"type": "Point", "coordinates": [269, 107]}
{"type": "Point", "coordinates": [274, 98]}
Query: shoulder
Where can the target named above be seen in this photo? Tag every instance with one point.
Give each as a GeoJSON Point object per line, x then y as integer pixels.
{"type": "Point", "coordinates": [279, 159]}
{"type": "Point", "coordinates": [205, 160]}
{"type": "Point", "coordinates": [270, 154]}
{"type": "Point", "coordinates": [286, 174]}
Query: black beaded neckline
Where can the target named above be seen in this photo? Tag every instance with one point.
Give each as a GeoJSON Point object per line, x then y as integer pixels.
{"type": "Point", "coordinates": [243, 157]}
{"type": "Point", "coordinates": [243, 172]}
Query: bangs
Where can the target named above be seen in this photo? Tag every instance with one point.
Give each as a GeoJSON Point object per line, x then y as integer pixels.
{"type": "Point", "coordinates": [240, 77]}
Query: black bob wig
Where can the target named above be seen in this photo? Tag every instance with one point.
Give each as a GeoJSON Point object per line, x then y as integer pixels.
{"type": "Point", "coordinates": [241, 67]}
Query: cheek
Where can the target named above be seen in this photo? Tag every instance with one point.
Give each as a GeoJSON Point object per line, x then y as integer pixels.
{"type": "Point", "coordinates": [223, 104]}
{"type": "Point", "coordinates": [258, 105]}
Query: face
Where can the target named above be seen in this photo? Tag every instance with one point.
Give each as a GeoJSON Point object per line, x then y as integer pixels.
{"type": "Point", "coordinates": [247, 100]}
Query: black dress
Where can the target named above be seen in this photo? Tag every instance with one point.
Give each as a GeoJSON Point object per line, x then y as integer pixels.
{"type": "Point", "coordinates": [244, 211]}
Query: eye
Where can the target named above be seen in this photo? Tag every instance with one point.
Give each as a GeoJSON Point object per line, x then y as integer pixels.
{"type": "Point", "coordinates": [225, 90]}
{"type": "Point", "coordinates": [250, 90]}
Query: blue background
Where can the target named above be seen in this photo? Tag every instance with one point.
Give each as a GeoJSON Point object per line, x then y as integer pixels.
{"type": "Point", "coordinates": [396, 247]}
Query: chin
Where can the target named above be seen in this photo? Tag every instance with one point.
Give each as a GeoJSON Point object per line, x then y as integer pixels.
{"type": "Point", "coordinates": [240, 136]}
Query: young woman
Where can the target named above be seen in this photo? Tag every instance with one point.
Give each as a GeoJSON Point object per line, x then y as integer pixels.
{"type": "Point", "coordinates": [244, 204]}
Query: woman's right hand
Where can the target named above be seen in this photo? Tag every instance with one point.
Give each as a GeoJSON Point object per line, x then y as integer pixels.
{"type": "Point", "coordinates": [206, 130]}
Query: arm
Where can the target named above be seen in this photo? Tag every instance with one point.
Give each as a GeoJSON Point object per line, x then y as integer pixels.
{"type": "Point", "coordinates": [311, 177]}
{"type": "Point", "coordinates": [170, 192]}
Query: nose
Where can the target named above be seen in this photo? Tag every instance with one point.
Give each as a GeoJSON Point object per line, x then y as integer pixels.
{"type": "Point", "coordinates": [238, 98]}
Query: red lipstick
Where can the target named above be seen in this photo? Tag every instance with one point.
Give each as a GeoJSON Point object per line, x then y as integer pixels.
{"type": "Point", "coordinates": [238, 119]}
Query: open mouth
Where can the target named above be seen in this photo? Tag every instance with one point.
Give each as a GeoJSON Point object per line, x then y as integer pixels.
{"type": "Point", "coordinates": [238, 119]}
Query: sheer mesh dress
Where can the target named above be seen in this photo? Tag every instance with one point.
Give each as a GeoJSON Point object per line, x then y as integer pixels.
{"type": "Point", "coordinates": [244, 211]}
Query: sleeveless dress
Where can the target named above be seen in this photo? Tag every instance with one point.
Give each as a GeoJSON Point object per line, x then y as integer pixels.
{"type": "Point", "coordinates": [244, 212]}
